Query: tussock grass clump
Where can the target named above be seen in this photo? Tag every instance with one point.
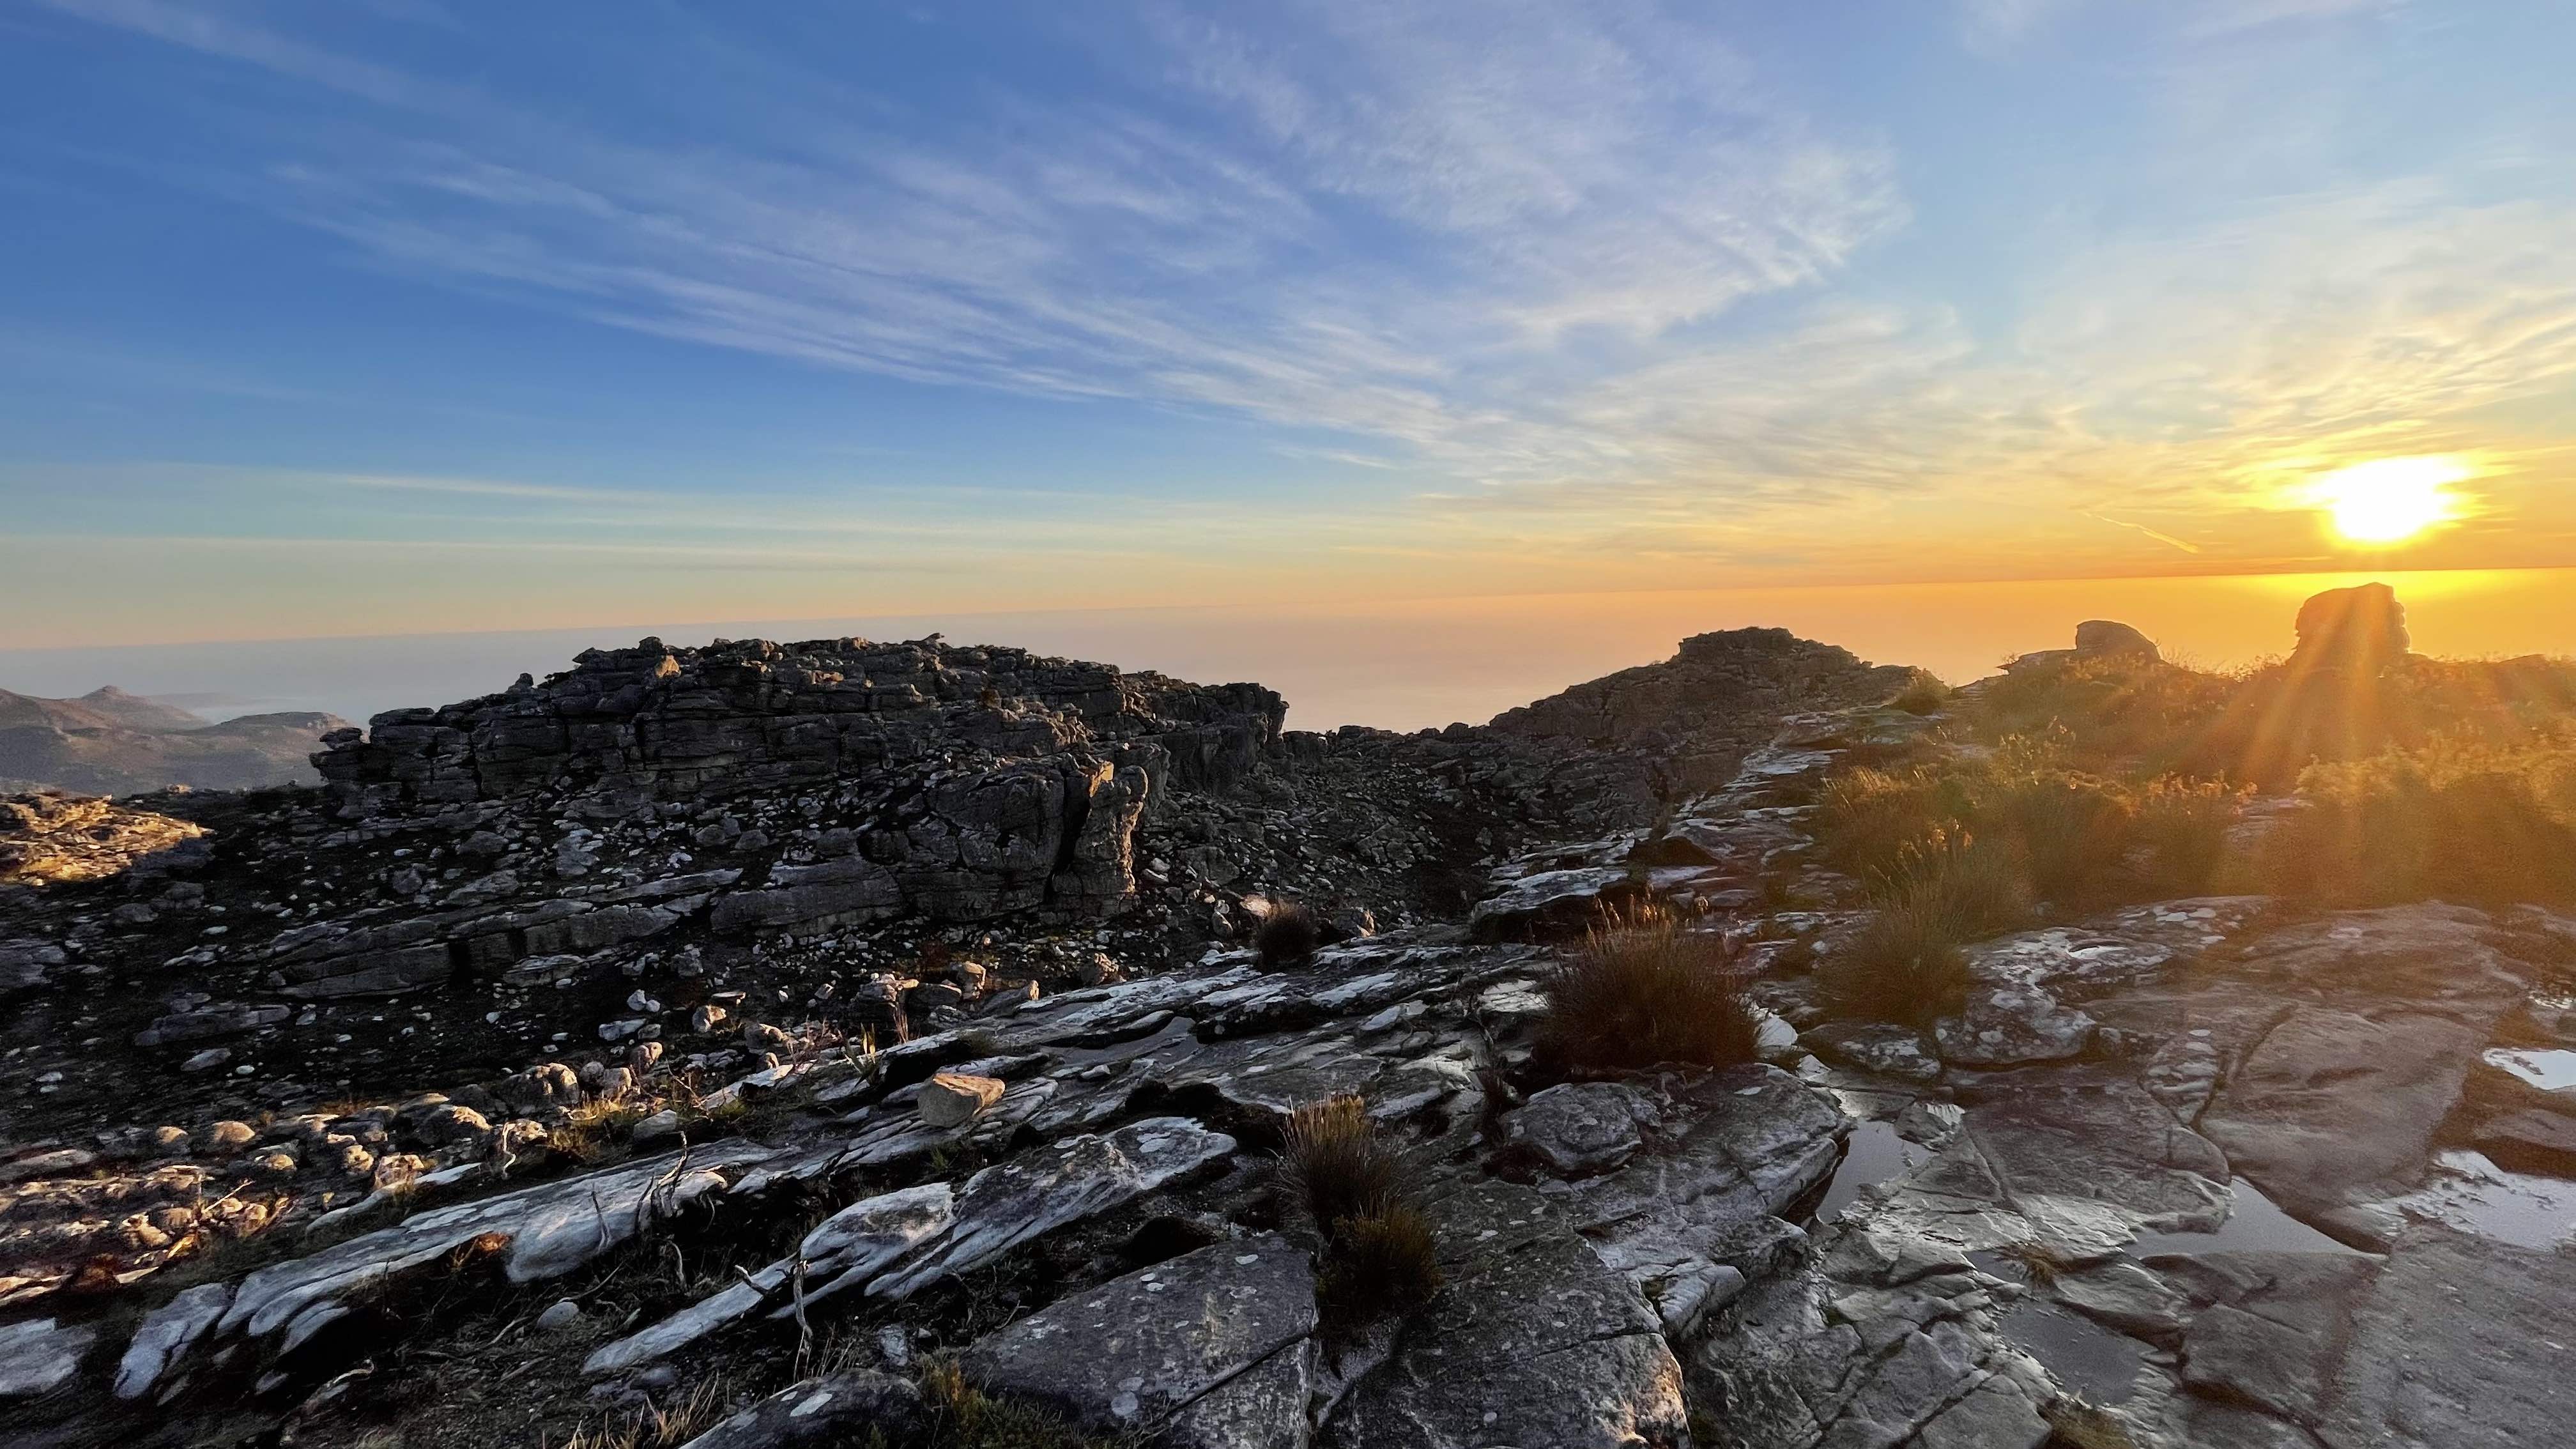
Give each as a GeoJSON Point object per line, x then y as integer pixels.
{"type": "Point", "coordinates": [1641, 990]}
{"type": "Point", "coordinates": [1924, 693]}
{"type": "Point", "coordinates": [1335, 1166]}
{"type": "Point", "coordinates": [1288, 934]}
{"type": "Point", "coordinates": [2460, 819]}
{"type": "Point", "coordinates": [1380, 1265]}
{"type": "Point", "coordinates": [1907, 966]}
{"type": "Point", "coordinates": [1344, 1188]}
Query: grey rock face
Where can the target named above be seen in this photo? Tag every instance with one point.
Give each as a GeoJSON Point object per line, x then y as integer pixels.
{"type": "Point", "coordinates": [2003, 1026]}
{"type": "Point", "coordinates": [1532, 1342]}
{"type": "Point", "coordinates": [1580, 1128]}
{"type": "Point", "coordinates": [2460, 1344]}
{"type": "Point", "coordinates": [1139, 1354]}
{"type": "Point", "coordinates": [1006, 1205]}
{"type": "Point", "coordinates": [40, 1355]}
{"type": "Point", "coordinates": [166, 1336]}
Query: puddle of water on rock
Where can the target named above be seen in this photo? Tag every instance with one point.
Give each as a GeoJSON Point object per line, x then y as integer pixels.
{"type": "Point", "coordinates": [2255, 1224]}
{"type": "Point", "coordinates": [1874, 1153]}
{"type": "Point", "coordinates": [2550, 1070]}
{"type": "Point", "coordinates": [2083, 1355]}
{"type": "Point", "coordinates": [2476, 1196]}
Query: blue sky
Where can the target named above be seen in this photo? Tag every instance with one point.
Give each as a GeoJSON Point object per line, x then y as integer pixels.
{"type": "Point", "coordinates": [402, 315]}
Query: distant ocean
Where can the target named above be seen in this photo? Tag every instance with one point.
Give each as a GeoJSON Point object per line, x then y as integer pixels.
{"type": "Point", "coordinates": [1402, 665]}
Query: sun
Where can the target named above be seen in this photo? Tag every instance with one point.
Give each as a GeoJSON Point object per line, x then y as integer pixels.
{"type": "Point", "coordinates": [2390, 500]}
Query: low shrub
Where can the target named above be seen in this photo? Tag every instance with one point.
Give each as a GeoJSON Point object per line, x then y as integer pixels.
{"type": "Point", "coordinates": [2459, 819]}
{"type": "Point", "coordinates": [1344, 1189]}
{"type": "Point", "coordinates": [1287, 935]}
{"type": "Point", "coordinates": [1640, 990]}
{"type": "Point", "coordinates": [2114, 712]}
{"type": "Point", "coordinates": [1924, 693]}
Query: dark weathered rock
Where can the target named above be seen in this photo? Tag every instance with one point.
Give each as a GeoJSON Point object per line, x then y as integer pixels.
{"type": "Point", "coordinates": [1006, 1205]}
{"type": "Point", "coordinates": [842, 1408]}
{"type": "Point", "coordinates": [1139, 1353]}
{"type": "Point", "coordinates": [1531, 1342]}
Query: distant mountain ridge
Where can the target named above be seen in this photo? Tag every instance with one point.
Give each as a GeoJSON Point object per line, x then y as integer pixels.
{"type": "Point", "coordinates": [109, 742]}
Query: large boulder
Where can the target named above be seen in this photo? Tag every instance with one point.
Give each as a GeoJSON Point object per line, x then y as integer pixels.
{"type": "Point", "coordinates": [2361, 629]}
{"type": "Point", "coordinates": [2106, 638]}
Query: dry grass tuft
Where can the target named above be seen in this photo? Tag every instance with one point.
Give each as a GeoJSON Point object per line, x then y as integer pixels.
{"type": "Point", "coordinates": [595, 1131]}
{"type": "Point", "coordinates": [2040, 1263]}
{"type": "Point", "coordinates": [1643, 990]}
{"type": "Point", "coordinates": [661, 1427]}
{"type": "Point", "coordinates": [1342, 1187]}
{"type": "Point", "coordinates": [2075, 1424]}
{"type": "Point", "coordinates": [1288, 935]}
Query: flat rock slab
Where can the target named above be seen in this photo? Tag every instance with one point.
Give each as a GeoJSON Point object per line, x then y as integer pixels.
{"type": "Point", "coordinates": [1530, 1344]}
{"type": "Point", "coordinates": [2088, 1155]}
{"type": "Point", "coordinates": [2534, 1141]}
{"type": "Point", "coordinates": [1552, 898]}
{"type": "Point", "coordinates": [2010, 1025]}
{"type": "Point", "coordinates": [2461, 1344]}
{"type": "Point", "coordinates": [1009, 1203]}
{"type": "Point", "coordinates": [542, 1232]}
{"type": "Point", "coordinates": [1139, 1353]}
{"type": "Point", "coordinates": [2334, 1105]}
{"type": "Point", "coordinates": [1579, 1128]}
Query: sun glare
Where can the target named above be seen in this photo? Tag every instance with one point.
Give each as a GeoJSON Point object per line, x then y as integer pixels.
{"type": "Point", "coordinates": [2389, 500]}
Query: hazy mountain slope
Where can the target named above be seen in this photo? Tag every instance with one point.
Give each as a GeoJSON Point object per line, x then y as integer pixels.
{"type": "Point", "coordinates": [110, 742]}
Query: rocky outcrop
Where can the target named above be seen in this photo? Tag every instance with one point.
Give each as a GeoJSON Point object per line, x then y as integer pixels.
{"type": "Point", "coordinates": [1680, 727]}
{"type": "Point", "coordinates": [626, 727]}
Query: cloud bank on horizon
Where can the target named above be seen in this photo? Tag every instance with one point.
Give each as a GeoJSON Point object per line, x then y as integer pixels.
{"type": "Point", "coordinates": [408, 314]}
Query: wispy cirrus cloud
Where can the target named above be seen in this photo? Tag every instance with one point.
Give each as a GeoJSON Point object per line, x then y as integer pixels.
{"type": "Point", "coordinates": [1570, 280]}
{"type": "Point", "coordinates": [1362, 218]}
